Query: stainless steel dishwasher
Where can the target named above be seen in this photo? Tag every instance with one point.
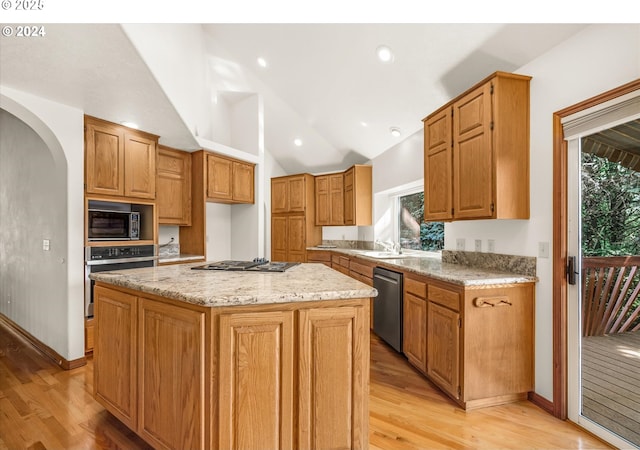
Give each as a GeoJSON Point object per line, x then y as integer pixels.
{"type": "Point", "coordinates": [387, 307]}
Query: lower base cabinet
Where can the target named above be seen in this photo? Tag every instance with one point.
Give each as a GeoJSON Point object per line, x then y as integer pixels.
{"type": "Point", "coordinates": [283, 376]}
{"type": "Point", "coordinates": [476, 342]}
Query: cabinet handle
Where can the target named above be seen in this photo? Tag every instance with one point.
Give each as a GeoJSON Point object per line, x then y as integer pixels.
{"type": "Point", "coordinates": [484, 302]}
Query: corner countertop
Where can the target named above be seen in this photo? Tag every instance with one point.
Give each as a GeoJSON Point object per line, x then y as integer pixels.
{"type": "Point", "coordinates": [217, 288]}
{"type": "Point", "coordinates": [432, 266]}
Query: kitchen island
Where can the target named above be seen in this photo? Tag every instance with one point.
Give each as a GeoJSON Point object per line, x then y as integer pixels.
{"type": "Point", "coordinates": [222, 359]}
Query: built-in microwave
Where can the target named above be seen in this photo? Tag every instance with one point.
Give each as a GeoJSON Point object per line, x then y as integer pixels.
{"type": "Point", "coordinates": [104, 225]}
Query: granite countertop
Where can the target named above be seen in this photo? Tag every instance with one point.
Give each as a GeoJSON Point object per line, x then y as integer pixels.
{"type": "Point", "coordinates": [215, 288]}
{"type": "Point", "coordinates": [181, 257]}
{"type": "Point", "coordinates": [433, 266]}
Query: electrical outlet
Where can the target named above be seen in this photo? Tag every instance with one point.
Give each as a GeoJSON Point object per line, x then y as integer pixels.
{"type": "Point", "coordinates": [46, 245]}
{"type": "Point", "coordinates": [478, 245]}
{"type": "Point", "coordinates": [543, 249]}
{"type": "Point", "coordinates": [460, 244]}
{"type": "Point", "coordinates": [491, 245]}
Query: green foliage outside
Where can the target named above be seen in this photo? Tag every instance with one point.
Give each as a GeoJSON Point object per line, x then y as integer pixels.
{"type": "Point", "coordinates": [414, 233]}
{"type": "Point", "coordinates": [610, 208]}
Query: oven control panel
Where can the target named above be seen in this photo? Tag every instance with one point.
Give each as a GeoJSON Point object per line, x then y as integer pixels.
{"type": "Point", "coordinates": [119, 252]}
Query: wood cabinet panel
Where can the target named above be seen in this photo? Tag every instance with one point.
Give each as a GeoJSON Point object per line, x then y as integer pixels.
{"type": "Point", "coordinates": [501, 350]}
{"type": "Point", "coordinates": [323, 200]}
{"type": "Point", "coordinates": [438, 166]}
{"type": "Point", "coordinates": [444, 297]}
{"type": "Point", "coordinates": [219, 178]}
{"type": "Point", "coordinates": [104, 159]}
{"type": "Point", "coordinates": [473, 155]}
{"type": "Point", "coordinates": [115, 355]}
{"type": "Point", "coordinates": [332, 373]}
{"type": "Point", "coordinates": [358, 195]}
{"type": "Point", "coordinates": [443, 348]}
{"type": "Point", "coordinates": [414, 329]}
{"type": "Point", "coordinates": [256, 380]}
{"type": "Point", "coordinates": [297, 193]}
{"type": "Point", "coordinates": [173, 186]}
{"type": "Point", "coordinates": [139, 166]}
{"type": "Point", "coordinates": [171, 375]}
{"type": "Point", "coordinates": [329, 199]}
{"type": "Point", "coordinates": [279, 195]}
{"type": "Point", "coordinates": [296, 242]}
{"type": "Point", "coordinates": [243, 182]}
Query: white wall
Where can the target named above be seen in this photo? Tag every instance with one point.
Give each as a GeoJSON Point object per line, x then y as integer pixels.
{"type": "Point", "coordinates": [599, 58]}
{"type": "Point", "coordinates": [175, 54]}
{"type": "Point", "coordinates": [50, 286]}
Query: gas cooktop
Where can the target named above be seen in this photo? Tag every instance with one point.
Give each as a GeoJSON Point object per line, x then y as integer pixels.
{"type": "Point", "coordinates": [257, 265]}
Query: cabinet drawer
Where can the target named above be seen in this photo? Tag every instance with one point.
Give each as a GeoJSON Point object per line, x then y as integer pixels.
{"type": "Point", "coordinates": [340, 261]}
{"type": "Point", "coordinates": [361, 269]}
{"type": "Point", "coordinates": [339, 268]}
{"type": "Point", "coordinates": [444, 297]}
{"type": "Point", "coordinates": [415, 287]}
{"type": "Point", "coordinates": [318, 256]}
{"type": "Point", "coordinates": [366, 280]}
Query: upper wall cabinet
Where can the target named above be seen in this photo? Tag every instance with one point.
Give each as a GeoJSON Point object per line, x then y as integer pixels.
{"type": "Point", "coordinates": [330, 199]}
{"type": "Point", "coordinates": [288, 193]}
{"type": "Point", "coordinates": [173, 185]}
{"type": "Point", "coordinates": [476, 153]}
{"type": "Point", "coordinates": [229, 180]}
{"type": "Point", "coordinates": [119, 161]}
{"type": "Point", "coordinates": [345, 198]}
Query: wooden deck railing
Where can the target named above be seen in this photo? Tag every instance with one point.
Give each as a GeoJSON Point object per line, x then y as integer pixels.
{"type": "Point", "coordinates": [610, 295]}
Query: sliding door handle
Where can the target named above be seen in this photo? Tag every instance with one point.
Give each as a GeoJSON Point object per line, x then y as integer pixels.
{"type": "Point", "coordinates": [571, 270]}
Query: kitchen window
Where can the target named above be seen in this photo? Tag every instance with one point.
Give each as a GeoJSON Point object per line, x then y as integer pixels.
{"type": "Point", "coordinates": [411, 230]}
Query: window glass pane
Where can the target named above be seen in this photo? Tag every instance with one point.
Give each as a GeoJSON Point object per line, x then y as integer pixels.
{"type": "Point", "coordinates": [414, 233]}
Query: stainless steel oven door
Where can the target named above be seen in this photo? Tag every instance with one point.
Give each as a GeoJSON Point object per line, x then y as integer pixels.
{"type": "Point", "coordinates": [107, 265]}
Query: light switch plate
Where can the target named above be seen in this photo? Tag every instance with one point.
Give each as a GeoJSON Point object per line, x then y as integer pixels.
{"type": "Point", "coordinates": [46, 245]}
{"type": "Point", "coordinates": [543, 249]}
{"type": "Point", "coordinates": [460, 244]}
{"type": "Point", "coordinates": [478, 245]}
{"type": "Point", "coordinates": [491, 245]}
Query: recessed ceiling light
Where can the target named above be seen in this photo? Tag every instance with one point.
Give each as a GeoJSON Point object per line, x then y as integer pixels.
{"type": "Point", "coordinates": [395, 131]}
{"type": "Point", "coordinates": [262, 62]}
{"type": "Point", "coordinates": [364, 124]}
{"type": "Point", "coordinates": [297, 142]}
{"type": "Point", "coordinates": [384, 54]}
{"type": "Point", "coordinates": [129, 124]}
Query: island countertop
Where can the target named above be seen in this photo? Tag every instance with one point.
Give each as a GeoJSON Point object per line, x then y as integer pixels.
{"type": "Point", "coordinates": [216, 288]}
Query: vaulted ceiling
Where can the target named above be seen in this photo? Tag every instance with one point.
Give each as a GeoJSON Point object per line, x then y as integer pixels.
{"type": "Point", "coordinates": [322, 84]}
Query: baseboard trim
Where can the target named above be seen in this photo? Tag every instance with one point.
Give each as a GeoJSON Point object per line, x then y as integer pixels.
{"type": "Point", "coordinates": [39, 346]}
{"type": "Point", "coordinates": [541, 402]}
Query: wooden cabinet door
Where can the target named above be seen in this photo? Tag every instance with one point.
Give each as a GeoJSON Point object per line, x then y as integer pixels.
{"type": "Point", "coordinates": [173, 186]}
{"type": "Point", "coordinates": [323, 212]}
{"type": "Point", "coordinates": [219, 178]}
{"type": "Point", "coordinates": [473, 163]}
{"type": "Point", "coordinates": [256, 384]}
{"type": "Point", "coordinates": [349, 197]}
{"type": "Point", "coordinates": [414, 331]}
{"type": "Point", "coordinates": [279, 238]}
{"type": "Point", "coordinates": [333, 367]}
{"type": "Point", "coordinates": [243, 182]}
{"type": "Point", "coordinates": [438, 167]}
{"type": "Point", "coordinates": [139, 166]}
{"type": "Point", "coordinates": [296, 190]}
{"type": "Point", "coordinates": [279, 196]}
{"type": "Point", "coordinates": [115, 354]}
{"type": "Point", "coordinates": [443, 348]}
{"type": "Point", "coordinates": [171, 373]}
{"type": "Point", "coordinates": [104, 159]}
{"type": "Point", "coordinates": [296, 239]}
{"type": "Point", "coordinates": [336, 202]}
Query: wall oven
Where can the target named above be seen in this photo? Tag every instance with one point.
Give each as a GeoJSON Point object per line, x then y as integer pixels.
{"type": "Point", "coordinates": [101, 259]}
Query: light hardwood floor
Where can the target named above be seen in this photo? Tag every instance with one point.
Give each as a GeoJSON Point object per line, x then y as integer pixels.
{"type": "Point", "coordinates": [45, 407]}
